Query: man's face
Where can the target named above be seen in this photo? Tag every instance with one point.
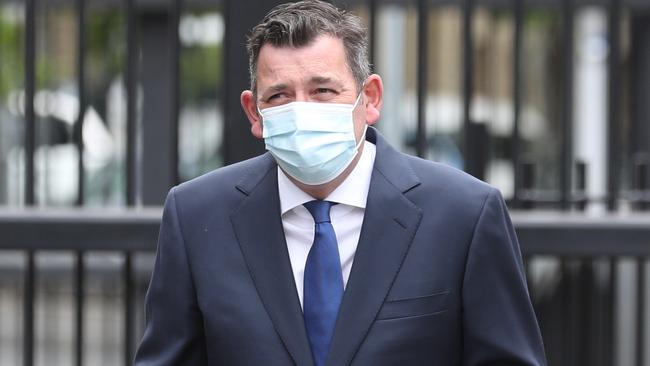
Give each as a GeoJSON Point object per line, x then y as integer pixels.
{"type": "Point", "coordinates": [317, 72]}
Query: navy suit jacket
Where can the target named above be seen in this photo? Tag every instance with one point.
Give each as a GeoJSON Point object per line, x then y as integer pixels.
{"type": "Point", "coordinates": [437, 277]}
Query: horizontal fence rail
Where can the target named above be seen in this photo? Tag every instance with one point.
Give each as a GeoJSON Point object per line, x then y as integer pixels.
{"type": "Point", "coordinates": [577, 235]}
{"type": "Point", "coordinates": [82, 229]}
{"type": "Point", "coordinates": [540, 233]}
{"type": "Point", "coordinates": [576, 240]}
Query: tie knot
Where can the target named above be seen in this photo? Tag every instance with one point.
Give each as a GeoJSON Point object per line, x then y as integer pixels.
{"type": "Point", "coordinates": [319, 210]}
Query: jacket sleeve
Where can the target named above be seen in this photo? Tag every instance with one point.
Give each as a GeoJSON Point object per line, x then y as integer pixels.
{"type": "Point", "coordinates": [173, 332]}
{"type": "Point", "coordinates": [499, 324]}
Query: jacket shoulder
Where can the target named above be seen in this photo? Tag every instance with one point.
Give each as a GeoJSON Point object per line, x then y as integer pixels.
{"type": "Point", "coordinates": [225, 184]}
{"type": "Point", "coordinates": [446, 179]}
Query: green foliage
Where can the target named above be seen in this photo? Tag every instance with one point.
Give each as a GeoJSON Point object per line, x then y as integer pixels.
{"type": "Point", "coordinates": [105, 46]}
{"type": "Point", "coordinates": [11, 62]}
{"type": "Point", "coordinates": [537, 18]}
{"type": "Point", "coordinates": [201, 74]}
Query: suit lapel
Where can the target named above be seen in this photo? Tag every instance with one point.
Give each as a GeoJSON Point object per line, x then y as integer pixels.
{"type": "Point", "coordinates": [258, 227]}
{"type": "Point", "coordinates": [389, 225]}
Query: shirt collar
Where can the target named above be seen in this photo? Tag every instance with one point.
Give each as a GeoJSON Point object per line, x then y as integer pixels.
{"type": "Point", "coordinates": [353, 191]}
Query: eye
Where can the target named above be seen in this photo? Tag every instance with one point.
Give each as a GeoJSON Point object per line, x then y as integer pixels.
{"type": "Point", "coordinates": [324, 94]}
{"type": "Point", "coordinates": [276, 98]}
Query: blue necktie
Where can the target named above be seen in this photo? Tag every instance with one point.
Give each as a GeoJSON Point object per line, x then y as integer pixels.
{"type": "Point", "coordinates": [323, 287]}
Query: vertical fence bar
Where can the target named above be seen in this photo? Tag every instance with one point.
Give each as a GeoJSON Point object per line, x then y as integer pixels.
{"type": "Point", "coordinates": [516, 100]}
{"type": "Point", "coordinates": [583, 294]}
{"type": "Point", "coordinates": [128, 310]}
{"type": "Point", "coordinates": [372, 10]}
{"type": "Point", "coordinates": [131, 103]}
{"type": "Point", "coordinates": [3, 184]}
{"type": "Point", "coordinates": [598, 315]}
{"type": "Point", "coordinates": [580, 197]}
{"type": "Point", "coordinates": [28, 311]}
{"type": "Point", "coordinates": [566, 350]}
{"type": "Point", "coordinates": [527, 173]}
{"type": "Point", "coordinates": [131, 163]}
{"type": "Point", "coordinates": [29, 148]}
{"type": "Point", "coordinates": [228, 105]}
{"type": "Point", "coordinates": [79, 292]}
{"type": "Point", "coordinates": [608, 340]}
{"type": "Point", "coordinates": [81, 92]}
{"type": "Point", "coordinates": [175, 88]}
{"type": "Point", "coordinates": [569, 316]}
{"type": "Point", "coordinates": [641, 311]}
{"type": "Point", "coordinates": [641, 180]}
{"type": "Point", "coordinates": [613, 101]}
{"type": "Point", "coordinates": [422, 77]}
{"type": "Point", "coordinates": [566, 94]}
{"type": "Point", "coordinates": [30, 88]}
{"type": "Point", "coordinates": [239, 17]}
{"type": "Point", "coordinates": [468, 80]}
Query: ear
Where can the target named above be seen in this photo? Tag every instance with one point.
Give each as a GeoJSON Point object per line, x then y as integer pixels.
{"type": "Point", "coordinates": [373, 91]}
{"type": "Point", "coordinates": [249, 104]}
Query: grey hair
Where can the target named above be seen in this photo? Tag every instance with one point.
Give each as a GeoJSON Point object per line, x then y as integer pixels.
{"type": "Point", "coordinates": [298, 24]}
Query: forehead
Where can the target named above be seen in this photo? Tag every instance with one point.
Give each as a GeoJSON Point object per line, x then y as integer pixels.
{"type": "Point", "coordinates": [323, 57]}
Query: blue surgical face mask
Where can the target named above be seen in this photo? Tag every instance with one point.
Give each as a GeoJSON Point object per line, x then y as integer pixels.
{"type": "Point", "coordinates": [312, 142]}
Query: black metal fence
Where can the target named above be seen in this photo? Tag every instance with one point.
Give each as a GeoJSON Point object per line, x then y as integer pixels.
{"type": "Point", "coordinates": [79, 232]}
{"type": "Point", "coordinates": [578, 318]}
{"type": "Point", "coordinates": [581, 317]}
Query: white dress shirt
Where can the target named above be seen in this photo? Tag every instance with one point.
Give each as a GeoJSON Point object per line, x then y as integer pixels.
{"type": "Point", "coordinates": [346, 216]}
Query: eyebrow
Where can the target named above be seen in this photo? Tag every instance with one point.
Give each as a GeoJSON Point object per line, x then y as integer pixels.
{"type": "Point", "coordinates": [324, 80]}
{"type": "Point", "coordinates": [275, 88]}
{"type": "Point", "coordinates": [314, 80]}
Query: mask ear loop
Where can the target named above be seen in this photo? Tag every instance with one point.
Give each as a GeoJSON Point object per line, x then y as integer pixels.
{"type": "Point", "coordinates": [365, 126]}
{"type": "Point", "coordinates": [356, 102]}
{"type": "Point", "coordinates": [363, 137]}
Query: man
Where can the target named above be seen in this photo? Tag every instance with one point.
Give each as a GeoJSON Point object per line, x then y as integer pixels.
{"type": "Point", "coordinates": [333, 248]}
